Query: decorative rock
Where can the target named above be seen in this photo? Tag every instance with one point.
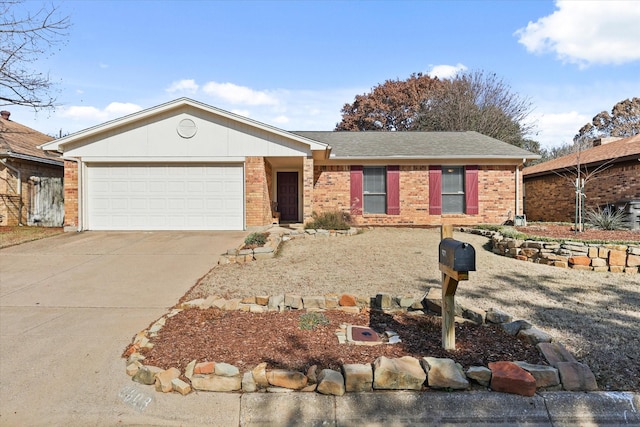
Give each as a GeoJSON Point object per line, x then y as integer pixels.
{"type": "Point", "coordinates": [312, 377]}
{"type": "Point", "coordinates": [313, 302]}
{"type": "Point", "coordinates": [576, 376]}
{"type": "Point", "coordinates": [433, 302]}
{"type": "Point", "coordinates": [510, 378]}
{"type": "Point", "coordinates": [180, 386]}
{"type": "Point", "coordinates": [164, 378]}
{"type": "Point", "coordinates": [216, 383]}
{"type": "Point", "coordinates": [275, 302]}
{"type": "Point", "coordinates": [444, 373]}
{"type": "Point", "coordinates": [256, 308]}
{"type": "Point", "coordinates": [546, 376]}
{"type": "Point", "coordinates": [405, 302]}
{"type": "Point", "coordinates": [260, 375]}
{"type": "Point", "coordinates": [188, 370]}
{"type": "Point", "coordinates": [618, 258]}
{"type": "Point", "coordinates": [347, 300]}
{"type": "Point", "coordinates": [248, 300]}
{"type": "Point", "coordinates": [287, 379]}
{"type": "Point", "coordinates": [262, 299]}
{"type": "Point", "coordinates": [204, 368]}
{"type": "Point", "coordinates": [232, 304]}
{"type": "Point", "coordinates": [616, 268]}
{"type": "Point", "coordinates": [330, 382]}
{"type": "Point", "coordinates": [309, 388]}
{"type": "Point", "coordinates": [555, 353]}
{"type": "Point", "coordinates": [147, 375]}
{"type": "Point", "coordinates": [476, 315]}
{"type": "Point", "coordinates": [279, 390]}
{"type": "Point", "coordinates": [495, 315]}
{"type": "Point", "coordinates": [226, 370]}
{"type": "Point", "coordinates": [403, 373]}
{"type": "Point", "coordinates": [633, 261]}
{"type": "Point", "coordinates": [248, 383]}
{"type": "Point", "coordinates": [480, 374]}
{"type": "Point", "coordinates": [512, 328]}
{"type": "Point", "coordinates": [293, 301]}
{"type": "Point", "coordinates": [133, 367]}
{"type": "Point", "coordinates": [331, 301]}
{"type": "Point", "coordinates": [579, 260]}
{"type": "Point", "coordinates": [357, 377]}
{"type": "Point", "coordinates": [534, 336]}
{"type": "Point", "coordinates": [598, 262]}
{"type": "Point", "coordinates": [348, 309]}
{"type": "Point", "coordinates": [384, 301]}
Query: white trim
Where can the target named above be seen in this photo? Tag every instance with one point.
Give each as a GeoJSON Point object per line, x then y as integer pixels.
{"type": "Point", "coordinates": [169, 160]}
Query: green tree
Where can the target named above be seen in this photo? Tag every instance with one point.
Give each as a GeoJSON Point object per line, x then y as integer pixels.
{"type": "Point", "coordinates": [624, 121]}
{"type": "Point", "coordinates": [26, 37]}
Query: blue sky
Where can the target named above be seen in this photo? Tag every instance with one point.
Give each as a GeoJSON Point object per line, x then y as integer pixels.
{"type": "Point", "coordinates": [294, 64]}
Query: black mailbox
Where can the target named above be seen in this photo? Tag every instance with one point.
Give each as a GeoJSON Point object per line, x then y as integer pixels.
{"type": "Point", "coordinates": [457, 255]}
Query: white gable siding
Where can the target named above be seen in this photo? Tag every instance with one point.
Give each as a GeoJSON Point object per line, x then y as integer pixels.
{"type": "Point", "coordinates": [216, 138]}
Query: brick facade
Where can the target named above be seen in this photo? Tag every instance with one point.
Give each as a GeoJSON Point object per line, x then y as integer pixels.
{"type": "Point", "coordinates": [552, 198]}
{"type": "Point", "coordinates": [14, 209]}
{"type": "Point", "coordinates": [496, 186]}
{"type": "Point", "coordinates": [258, 201]}
{"type": "Point", "coordinates": [70, 194]}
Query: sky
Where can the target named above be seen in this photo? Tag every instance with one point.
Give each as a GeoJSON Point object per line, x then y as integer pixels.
{"type": "Point", "coordinates": [294, 64]}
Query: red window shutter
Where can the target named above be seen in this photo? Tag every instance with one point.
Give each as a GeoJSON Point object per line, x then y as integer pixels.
{"type": "Point", "coordinates": [356, 190]}
{"type": "Point", "coordinates": [435, 190]}
{"type": "Point", "coordinates": [471, 189]}
{"type": "Point", "coordinates": [393, 190]}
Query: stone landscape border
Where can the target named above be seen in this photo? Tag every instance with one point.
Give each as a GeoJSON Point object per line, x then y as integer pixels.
{"type": "Point", "coordinates": [602, 257]}
{"type": "Point", "coordinates": [404, 373]}
{"type": "Point", "coordinates": [564, 372]}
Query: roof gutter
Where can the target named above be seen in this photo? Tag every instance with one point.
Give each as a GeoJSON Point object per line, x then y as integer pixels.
{"type": "Point", "coordinates": [13, 155]}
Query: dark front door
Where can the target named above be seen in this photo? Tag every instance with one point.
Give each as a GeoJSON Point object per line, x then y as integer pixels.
{"type": "Point", "coordinates": [288, 196]}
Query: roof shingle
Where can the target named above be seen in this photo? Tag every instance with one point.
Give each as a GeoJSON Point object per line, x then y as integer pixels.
{"type": "Point", "coordinates": [19, 139]}
{"type": "Point", "coordinates": [621, 149]}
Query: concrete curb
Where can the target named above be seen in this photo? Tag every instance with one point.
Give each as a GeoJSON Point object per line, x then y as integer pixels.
{"type": "Point", "coordinates": [441, 409]}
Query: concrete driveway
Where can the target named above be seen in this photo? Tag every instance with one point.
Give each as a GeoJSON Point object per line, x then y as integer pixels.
{"type": "Point", "coordinates": [70, 304]}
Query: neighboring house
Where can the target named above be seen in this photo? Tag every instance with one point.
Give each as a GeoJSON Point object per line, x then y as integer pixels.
{"type": "Point", "coordinates": [189, 166]}
{"type": "Point", "coordinates": [31, 189]}
{"type": "Point", "coordinates": [550, 186]}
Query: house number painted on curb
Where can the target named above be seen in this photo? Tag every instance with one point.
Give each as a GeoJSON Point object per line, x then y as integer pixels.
{"type": "Point", "coordinates": [135, 398]}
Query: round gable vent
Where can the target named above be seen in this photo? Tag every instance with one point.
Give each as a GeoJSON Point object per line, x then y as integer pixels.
{"type": "Point", "coordinates": [187, 128]}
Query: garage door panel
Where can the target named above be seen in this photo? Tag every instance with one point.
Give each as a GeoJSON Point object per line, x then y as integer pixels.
{"type": "Point", "coordinates": [176, 197]}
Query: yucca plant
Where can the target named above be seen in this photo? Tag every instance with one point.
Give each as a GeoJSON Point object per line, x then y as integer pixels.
{"type": "Point", "coordinates": [606, 219]}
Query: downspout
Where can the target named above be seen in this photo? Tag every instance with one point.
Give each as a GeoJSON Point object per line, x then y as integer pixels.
{"type": "Point", "coordinates": [80, 176]}
{"type": "Point", "coordinates": [19, 177]}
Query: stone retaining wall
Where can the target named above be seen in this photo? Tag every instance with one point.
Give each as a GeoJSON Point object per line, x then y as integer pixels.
{"type": "Point", "coordinates": [405, 373]}
{"type": "Point", "coordinates": [616, 258]}
{"type": "Point", "coordinates": [277, 235]}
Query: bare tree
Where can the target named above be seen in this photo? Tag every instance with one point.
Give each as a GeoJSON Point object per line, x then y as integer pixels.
{"type": "Point", "coordinates": [26, 37]}
{"type": "Point", "coordinates": [482, 102]}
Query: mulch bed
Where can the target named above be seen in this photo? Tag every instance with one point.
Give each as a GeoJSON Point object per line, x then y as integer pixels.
{"type": "Point", "coordinates": [247, 339]}
{"type": "Point", "coordinates": [566, 232]}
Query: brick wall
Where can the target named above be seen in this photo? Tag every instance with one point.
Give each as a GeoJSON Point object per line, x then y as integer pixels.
{"type": "Point", "coordinates": [308, 178]}
{"type": "Point", "coordinates": [552, 197]}
{"type": "Point", "coordinates": [496, 185]}
{"type": "Point", "coordinates": [13, 208]}
{"type": "Point", "coordinates": [257, 197]}
{"type": "Point", "coordinates": [70, 194]}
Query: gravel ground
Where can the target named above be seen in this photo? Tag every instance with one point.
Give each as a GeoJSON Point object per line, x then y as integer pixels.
{"type": "Point", "coordinates": [595, 315]}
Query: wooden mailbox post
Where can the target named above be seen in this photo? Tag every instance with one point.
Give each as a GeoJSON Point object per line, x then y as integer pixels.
{"type": "Point", "coordinates": [450, 278]}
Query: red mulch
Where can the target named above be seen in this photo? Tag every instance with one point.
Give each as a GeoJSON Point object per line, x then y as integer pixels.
{"type": "Point", "coordinates": [247, 339]}
{"type": "Point", "coordinates": [565, 231]}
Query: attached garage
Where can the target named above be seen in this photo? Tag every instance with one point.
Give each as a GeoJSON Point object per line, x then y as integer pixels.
{"type": "Point", "coordinates": [165, 196]}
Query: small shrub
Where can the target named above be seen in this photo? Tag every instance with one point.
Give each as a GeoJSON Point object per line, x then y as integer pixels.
{"type": "Point", "coordinates": [606, 219]}
{"type": "Point", "coordinates": [256, 239]}
{"type": "Point", "coordinates": [331, 220]}
{"type": "Point", "coordinates": [309, 321]}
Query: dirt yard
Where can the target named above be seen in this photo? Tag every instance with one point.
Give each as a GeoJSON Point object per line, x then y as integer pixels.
{"type": "Point", "coordinates": [595, 315]}
{"type": "Point", "coordinates": [10, 236]}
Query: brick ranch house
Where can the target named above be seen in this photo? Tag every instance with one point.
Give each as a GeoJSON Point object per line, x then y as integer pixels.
{"type": "Point", "coordinates": [551, 197]}
{"type": "Point", "coordinates": [30, 179]}
{"type": "Point", "coordinates": [185, 165]}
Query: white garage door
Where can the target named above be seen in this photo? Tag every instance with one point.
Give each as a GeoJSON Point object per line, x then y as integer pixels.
{"type": "Point", "coordinates": [165, 197]}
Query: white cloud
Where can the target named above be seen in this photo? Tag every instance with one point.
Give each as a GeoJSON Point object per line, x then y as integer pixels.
{"type": "Point", "coordinates": [184, 86]}
{"type": "Point", "coordinates": [242, 95]}
{"type": "Point", "coordinates": [95, 115]}
{"type": "Point", "coordinates": [446, 71]}
{"type": "Point", "coordinates": [103, 65]}
{"type": "Point", "coordinates": [559, 128]}
{"type": "Point", "coordinates": [281, 120]}
{"type": "Point", "coordinates": [587, 32]}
